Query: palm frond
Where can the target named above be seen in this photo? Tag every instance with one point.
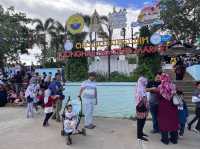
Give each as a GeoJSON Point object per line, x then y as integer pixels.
{"type": "Point", "coordinates": [49, 22]}
{"type": "Point", "coordinates": [104, 18]}
{"type": "Point", "coordinates": [87, 20]}
{"type": "Point", "coordinates": [59, 26]}
{"type": "Point", "coordinates": [39, 24]}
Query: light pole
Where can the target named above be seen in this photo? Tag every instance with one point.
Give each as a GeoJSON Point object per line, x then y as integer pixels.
{"type": "Point", "coordinates": [132, 37]}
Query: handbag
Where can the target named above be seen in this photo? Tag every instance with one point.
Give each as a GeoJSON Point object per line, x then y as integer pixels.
{"type": "Point", "coordinates": [176, 100]}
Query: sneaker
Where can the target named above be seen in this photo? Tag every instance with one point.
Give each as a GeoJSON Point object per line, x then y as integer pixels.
{"type": "Point", "coordinates": [180, 136]}
{"type": "Point", "coordinates": [145, 135]}
{"type": "Point", "coordinates": [173, 141]}
{"type": "Point", "coordinates": [196, 130]}
{"type": "Point", "coordinates": [164, 142]}
{"type": "Point", "coordinates": [91, 126]}
{"type": "Point", "coordinates": [143, 139]}
{"type": "Point", "coordinates": [189, 127]}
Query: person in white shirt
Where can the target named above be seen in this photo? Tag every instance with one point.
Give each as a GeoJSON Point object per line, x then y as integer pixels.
{"type": "Point", "coordinates": [70, 121]}
{"type": "Point", "coordinates": [89, 92]}
{"type": "Point", "coordinates": [30, 95]}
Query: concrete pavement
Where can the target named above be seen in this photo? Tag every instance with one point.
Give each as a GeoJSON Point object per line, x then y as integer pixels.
{"type": "Point", "coordinates": [20, 133]}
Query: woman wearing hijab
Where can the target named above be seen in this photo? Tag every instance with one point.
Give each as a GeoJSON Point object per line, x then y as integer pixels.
{"type": "Point", "coordinates": [141, 107]}
{"type": "Point", "coordinates": [167, 112]}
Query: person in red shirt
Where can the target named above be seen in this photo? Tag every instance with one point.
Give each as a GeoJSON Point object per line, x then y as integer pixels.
{"type": "Point", "coordinates": [48, 106]}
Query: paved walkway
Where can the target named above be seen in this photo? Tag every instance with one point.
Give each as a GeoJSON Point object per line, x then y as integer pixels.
{"type": "Point", "coordinates": [17, 132]}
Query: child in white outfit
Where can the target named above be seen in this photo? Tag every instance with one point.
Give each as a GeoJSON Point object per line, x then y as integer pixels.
{"type": "Point", "coordinates": [70, 121]}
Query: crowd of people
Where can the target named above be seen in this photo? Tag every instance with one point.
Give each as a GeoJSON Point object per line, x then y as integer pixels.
{"type": "Point", "coordinates": [167, 107]}
{"type": "Point", "coordinates": [165, 102]}
{"type": "Point", "coordinates": [44, 91]}
{"type": "Point", "coordinates": [14, 81]}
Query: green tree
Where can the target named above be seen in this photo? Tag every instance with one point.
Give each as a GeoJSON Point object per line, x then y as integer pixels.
{"type": "Point", "coordinates": [14, 35]}
{"type": "Point", "coordinates": [77, 68]}
{"type": "Point", "coordinates": [182, 18]}
{"type": "Point", "coordinates": [148, 64]}
{"type": "Point", "coordinates": [42, 30]}
{"type": "Point", "coordinates": [58, 35]}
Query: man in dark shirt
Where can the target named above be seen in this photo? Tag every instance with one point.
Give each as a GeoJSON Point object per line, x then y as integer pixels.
{"type": "Point", "coordinates": [153, 101]}
{"type": "Point", "coordinates": [57, 89]}
{"type": "Point", "coordinates": [18, 82]}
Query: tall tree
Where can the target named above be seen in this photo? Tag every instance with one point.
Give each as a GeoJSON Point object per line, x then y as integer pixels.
{"type": "Point", "coordinates": [149, 63]}
{"type": "Point", "coordinates": [58, 35]}
{"type": "Point", "coordinates": [14, 34]}
{"type": "Point", "coordinates": [182, 18]}
{"type": "Point", "coordinates": [42, 30]}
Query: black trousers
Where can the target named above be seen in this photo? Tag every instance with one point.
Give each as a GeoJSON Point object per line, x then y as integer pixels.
{"type": "Point", "coordinates": [140, 127]}
{"type": "Point", "coordinates": [173, 137]}
{"type": "Point", "coordinates": [47, 117]}
{"type": "Point", "coordinates": [196, 118]}
{"type": "Point", "coordinates": [182, 129]}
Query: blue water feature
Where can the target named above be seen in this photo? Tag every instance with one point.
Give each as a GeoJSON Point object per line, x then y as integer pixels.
{"type": "Point", "coordinates": [194, 71]}
{"type": "Point", "coordinates": [114, 99]}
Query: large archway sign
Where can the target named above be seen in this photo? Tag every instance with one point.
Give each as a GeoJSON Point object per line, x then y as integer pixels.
{"type": "Point", "coordinates": [116, 51]}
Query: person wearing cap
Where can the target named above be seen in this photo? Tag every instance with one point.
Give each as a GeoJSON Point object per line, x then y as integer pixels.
{"type": "Point", "coordinates": [89, 93]}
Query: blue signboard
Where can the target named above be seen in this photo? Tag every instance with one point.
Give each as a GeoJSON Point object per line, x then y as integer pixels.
{"type": "Point", "coordinates": [166, 38]}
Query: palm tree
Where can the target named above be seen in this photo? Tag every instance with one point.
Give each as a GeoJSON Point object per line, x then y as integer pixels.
{"type": "Point", "coordinates": [58, 35]}
{"type": "Point", "coordinates": [41, 30]}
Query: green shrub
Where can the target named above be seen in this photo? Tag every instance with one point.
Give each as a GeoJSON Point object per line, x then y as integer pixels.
{"type": "Point", "coordinates": [76, 69]}
{"type": "Point", "coordinates": [115, 77]}
{"type": "Point", "coordinates": [142, 69]}
{"type": "Point", "coordinates": [101, 78]}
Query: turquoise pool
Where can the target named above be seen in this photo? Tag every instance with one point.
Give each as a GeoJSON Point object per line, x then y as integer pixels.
{"type": "Point", "coordinates": [114, 99]}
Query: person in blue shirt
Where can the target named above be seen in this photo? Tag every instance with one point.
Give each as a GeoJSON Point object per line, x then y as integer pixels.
{"type": "Point", "coordinates": [57, 89]}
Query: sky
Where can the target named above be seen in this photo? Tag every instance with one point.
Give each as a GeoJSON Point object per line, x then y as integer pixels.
{"type": "Point", "coordinates": [128, 3]}
{"type": "Point", "coordinates": [61, 9]}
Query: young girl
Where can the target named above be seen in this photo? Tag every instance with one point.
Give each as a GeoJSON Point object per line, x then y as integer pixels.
{"type": "Point", "coordinates": [70, 123]}
{"type": "Point", "coordinates": [141, 107]}
{"type": "Point", "coordinates": [70, 120]}
{"type": "Point", "coordinates": [30, 96]}
{"type": "Point", "coordinates": [48, 106]}
{"type": "Point", "coordinates": [182, 112]}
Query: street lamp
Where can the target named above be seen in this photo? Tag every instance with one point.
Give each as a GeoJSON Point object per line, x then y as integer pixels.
{"type": "Point", "coordinates": [132, 37]}
{"type": "Point", "coordinates": [123, 33]}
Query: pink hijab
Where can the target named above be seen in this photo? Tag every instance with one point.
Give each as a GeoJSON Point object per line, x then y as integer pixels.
{"type": "Point", "coordinates": [167, 88]}
{"type": "Point", "coordinates": [140, 89]}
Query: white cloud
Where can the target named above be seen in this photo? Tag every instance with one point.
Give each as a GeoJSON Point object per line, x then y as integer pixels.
{"type": "Point", "coordinates": [147, 3]}
{"type": "Point", "coordinates": [61, 9]}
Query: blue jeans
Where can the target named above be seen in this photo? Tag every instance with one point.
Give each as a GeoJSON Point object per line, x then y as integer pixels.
{"type": "Point", "coordinates": [154, 114]}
